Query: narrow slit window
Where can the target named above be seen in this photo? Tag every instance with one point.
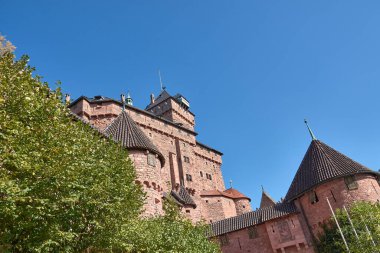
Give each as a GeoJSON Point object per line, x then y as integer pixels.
{"type": "Point", "coordinates": [189, 177]}
{"type": "Point", "coordinates": [313, 197]}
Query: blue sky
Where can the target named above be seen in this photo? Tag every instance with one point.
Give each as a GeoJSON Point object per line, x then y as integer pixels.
{"type": "Point", "coordinates": [252, 71]}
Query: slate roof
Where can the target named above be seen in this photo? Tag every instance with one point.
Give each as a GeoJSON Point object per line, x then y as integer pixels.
{"type": "Point", "coordinates": [266, 200]}
{"type": "Point", "coordinates": [322, 163]}
{"type": "Point", "coordinates": [183, 196]}
{"type": "Point", "coordinates": [124, 130]}
{"type": "Point", "coordinates": [161, 98]}
{"type": "Point", "coordinates": [252, 218]}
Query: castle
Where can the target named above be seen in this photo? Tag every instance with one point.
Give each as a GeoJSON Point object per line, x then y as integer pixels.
{"type": "Point", "coordinates": [162, 143]}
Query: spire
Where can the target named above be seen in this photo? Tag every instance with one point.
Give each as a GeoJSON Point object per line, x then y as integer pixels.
{"type": "Point", "coordinates": [310, 132]}
{"type": "Point", "coordinates": [266, 200]}
{"type": "Point", "coordinates": [129, 99]}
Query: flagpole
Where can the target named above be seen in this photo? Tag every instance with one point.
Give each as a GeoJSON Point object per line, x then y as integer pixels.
{"type": "Point", "coordinates": [337, 223]}
{"type": "Point", "coordinates": [369, 232]}
{"type": "Point", "coordinates": [352, 225]}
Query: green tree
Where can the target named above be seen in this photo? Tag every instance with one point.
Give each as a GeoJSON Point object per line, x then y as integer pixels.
{"type": "Point", "coordinates": [366, 221]}
{"type": "Point", "coordinates": [168, 233]}
{"type": "Point", "coordinates": [63, 187]}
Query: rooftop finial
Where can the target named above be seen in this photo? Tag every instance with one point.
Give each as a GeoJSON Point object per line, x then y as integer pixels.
{"type": "Point", "coordinates": [262, 188]}
{"type": "Point", "coordinates": [311, 132]}
{"type": "Point", "coordinates": [122, 96]}
{"type": "Point", "coordinates": [231, 183]}
{"type": "Point", "coordinates": [162, 86]}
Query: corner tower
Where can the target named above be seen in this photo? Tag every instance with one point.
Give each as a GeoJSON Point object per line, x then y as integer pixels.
{"type": "Point", "coordinates": [147, 159]}
{"type": "Point", "coordinates": [326, 175]}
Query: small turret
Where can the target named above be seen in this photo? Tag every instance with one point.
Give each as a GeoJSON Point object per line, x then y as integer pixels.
{"type": "Point", "coordinates": [129, 99]}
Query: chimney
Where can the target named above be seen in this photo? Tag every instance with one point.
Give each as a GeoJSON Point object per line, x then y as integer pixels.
{"type": "Point", "coordinates": [122, 98]}
{"type": "Point", "coordinates": [67, 99]}
{"type": "Point", "coordinates": [152, 98]}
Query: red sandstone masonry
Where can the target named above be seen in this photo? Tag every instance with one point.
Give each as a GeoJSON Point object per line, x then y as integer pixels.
{"type": "Point", "coordinates": [164, 136]}
{"type": "Point", "coordinates": [339, 195]}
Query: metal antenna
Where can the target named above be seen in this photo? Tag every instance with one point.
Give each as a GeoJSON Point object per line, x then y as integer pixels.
{"type": "Point", "coordinates": [159, 75]}
{"type": "Point", "coordinates": [310, 132]}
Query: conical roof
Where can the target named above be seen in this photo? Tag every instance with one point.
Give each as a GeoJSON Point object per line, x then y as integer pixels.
{"type": "Point", "coordinates": [320, 164]}
{"type": "Point", "coordinates": [125, 131]}
{"type": "Point", "coordinates": [266, 200]}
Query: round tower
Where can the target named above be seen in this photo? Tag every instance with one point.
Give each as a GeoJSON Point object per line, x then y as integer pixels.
{"type": "Point", "coordinates": [147, 159]}
{"type": "Point", "coordinates": [328, 178]}
{"type": "Point", "coordinates": [242, 202]}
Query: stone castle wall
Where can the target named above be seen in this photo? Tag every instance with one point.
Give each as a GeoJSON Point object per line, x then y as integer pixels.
{"type": "Point", "coordinates": [149, 177]}
{"type": "Point", "coordinates": [283, 235]}
{"type": "Point", "coordinates": [198, 167]}
{"type": "Point", "coordinates": [339, 195]}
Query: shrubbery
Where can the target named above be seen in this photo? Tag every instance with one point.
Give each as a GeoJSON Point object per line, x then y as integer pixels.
{"type": "Point", "coordinates": [366, 221]}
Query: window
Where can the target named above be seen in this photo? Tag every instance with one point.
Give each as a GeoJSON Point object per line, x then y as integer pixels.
{"type": "Point", "coordinates": [151, 160]}
{"type": "Point", "coordinates": [186, 159]}
{"type": "Point", "coordinates": [252, 232]}
{"type": "Point", "coordinates": [351, 182]}
{"type": "Point", "coordinates": [201, 173]}
{"type": "Point", "coordinates": [223, 240]}
{"type": "Point", "coordinates": [189, 177]}
{"type": "Point", "coordinates": [208, 176]}
{"type": "Point", "coordinates": [187, 211]}
{"type": "Point", "coordinates": [313, 197]}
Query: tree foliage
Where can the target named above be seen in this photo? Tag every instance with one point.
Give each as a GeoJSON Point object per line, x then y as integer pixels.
{"type": "Point", "coordinates": [65, 188]}
{"type": "Point", "coordinates": [169, 233]}
{"type": "Point", "coordinates": [363, 215]}
{"type": "Point", "coordinates": [62, 186]}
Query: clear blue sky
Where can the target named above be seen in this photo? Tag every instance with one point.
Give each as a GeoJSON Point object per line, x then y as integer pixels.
{"type": "Point", "coordinates": [252, 70]}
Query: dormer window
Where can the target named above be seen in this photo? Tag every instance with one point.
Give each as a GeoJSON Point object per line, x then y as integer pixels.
{"type": "Point", "coordinates": [351, 182]}
{"type": "Point", "coordinates": [313, 197]}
